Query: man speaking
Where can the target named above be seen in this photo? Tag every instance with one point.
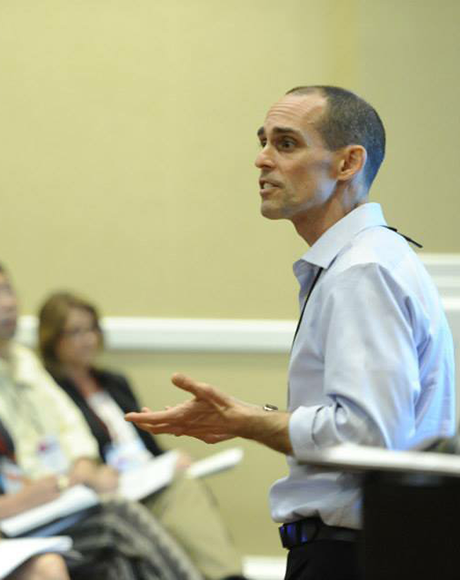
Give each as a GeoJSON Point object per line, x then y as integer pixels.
{"type": "Point", "coordinates": [372, 357]}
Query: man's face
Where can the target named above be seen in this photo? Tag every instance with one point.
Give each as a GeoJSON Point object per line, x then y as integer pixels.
{"type": "Point", "coordinates": [296, 169]}
{"type": "Point", "coordinates": [8, 310]}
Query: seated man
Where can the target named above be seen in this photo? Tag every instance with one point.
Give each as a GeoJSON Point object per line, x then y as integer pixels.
{"type": "Point", "coordinates": [46, 447]}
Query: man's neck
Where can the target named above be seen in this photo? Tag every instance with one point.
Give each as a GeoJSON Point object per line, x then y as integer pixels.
{"type": "Point", "coordinates": [312, 224]}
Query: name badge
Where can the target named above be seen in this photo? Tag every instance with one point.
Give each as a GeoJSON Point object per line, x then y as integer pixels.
{"type": "Point", "coordinates": [51, 456]}
{"type": "Point", "coordinates": [125, 456]}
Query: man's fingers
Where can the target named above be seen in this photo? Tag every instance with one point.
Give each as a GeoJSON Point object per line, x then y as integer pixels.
{"type": "Point", "coordinates": [160, 422]}
{"type": "Point", "coordinates": [185, 383]}
{"type": "Point", "coordinates": [159, 429]}
{"type": "Point", "coordinates": [216, 438]}
{"type": "Point", "coordinates": [199, 390]}
{"type": "Point", "coordinates": [150, 416]}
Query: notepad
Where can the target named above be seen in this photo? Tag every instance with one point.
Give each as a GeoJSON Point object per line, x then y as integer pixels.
{"type": "Point", "coordinates": [216, 463]}
{"type": "Point", "coordinates": [75, 499]}
{"type": "Point", "coordinates": [140, 482]}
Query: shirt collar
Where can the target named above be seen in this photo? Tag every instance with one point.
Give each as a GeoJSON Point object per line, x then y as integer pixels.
{"type": "Point", "coordinates": [326, 248]}
{"type": "Point", "coordinates": [18, 368]}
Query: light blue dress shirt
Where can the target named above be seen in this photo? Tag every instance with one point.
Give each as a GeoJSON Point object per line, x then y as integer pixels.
{"type": "Point", "coordinates": [372, 362]}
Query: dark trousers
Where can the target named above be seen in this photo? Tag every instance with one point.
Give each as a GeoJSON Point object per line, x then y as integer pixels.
{"type": "Point", "coordinates": [324, 560]}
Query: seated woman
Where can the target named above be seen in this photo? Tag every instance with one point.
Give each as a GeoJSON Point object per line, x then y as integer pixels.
{"type": "Point", "coordinates": [70, 338]}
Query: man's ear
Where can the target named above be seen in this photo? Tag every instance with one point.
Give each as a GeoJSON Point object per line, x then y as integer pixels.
{"type": "Point", "coordinates": [351, 162]}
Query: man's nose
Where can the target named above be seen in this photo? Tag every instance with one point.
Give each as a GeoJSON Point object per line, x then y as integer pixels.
{"type": "Point", "coordinates": [264, 159]}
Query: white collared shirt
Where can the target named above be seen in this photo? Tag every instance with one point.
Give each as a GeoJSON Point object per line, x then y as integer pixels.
{"type": "Point", "coordinates": [372, 362]}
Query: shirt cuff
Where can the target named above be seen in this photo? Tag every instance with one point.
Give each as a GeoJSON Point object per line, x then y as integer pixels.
{"type": "Point", "coordinates": [301, 431]}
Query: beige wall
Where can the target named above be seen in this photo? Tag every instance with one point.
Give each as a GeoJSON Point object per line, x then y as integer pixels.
{"type": "Point", "coordinates": [127, 138]}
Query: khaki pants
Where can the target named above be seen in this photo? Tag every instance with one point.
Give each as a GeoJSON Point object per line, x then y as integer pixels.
{"type": "Point", "coordinates": [190, 514]}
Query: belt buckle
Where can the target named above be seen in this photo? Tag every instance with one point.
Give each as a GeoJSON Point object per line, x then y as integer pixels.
{"type": "Point", "coordinates": [289, 535]}
{"type": "Point", "coordinates": [286, 535]}
{"type": "Point", "coordinates": [307, 530]}
{"type": "Point", "coordinates": [298, 533]}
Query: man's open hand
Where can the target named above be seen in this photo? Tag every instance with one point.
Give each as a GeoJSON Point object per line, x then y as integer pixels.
{"type": "Point", "coordinates": [213, 416]}
{"type": "Point", "coordinates": [210, 416]}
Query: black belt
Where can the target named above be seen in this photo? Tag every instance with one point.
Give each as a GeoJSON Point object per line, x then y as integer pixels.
{"type": "Point", "coordinates": [311, 529]}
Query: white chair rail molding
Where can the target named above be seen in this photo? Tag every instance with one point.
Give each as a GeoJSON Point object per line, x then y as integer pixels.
{"type": "Point", "coordinates": [219, 335]}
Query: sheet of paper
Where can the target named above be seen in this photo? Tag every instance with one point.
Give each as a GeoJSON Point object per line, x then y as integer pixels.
{"type": "Point", "coordinates": [360, 458]}
{"type": "Point", "coordinates": [76, 498]}
{"type": "Point", "coordinates": [13, 553]}
{"type": "Point", "coordinates": [142, 481]}
{"type": "Point", "coordinates": [216, 463]}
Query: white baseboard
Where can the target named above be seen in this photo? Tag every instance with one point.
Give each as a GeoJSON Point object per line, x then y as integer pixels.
{"type": "Point", "coordinates": [264, 567]}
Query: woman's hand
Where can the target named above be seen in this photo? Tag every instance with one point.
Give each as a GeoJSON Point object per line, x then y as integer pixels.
{"type": "Point", "coordinates": [184, 461]}
{"type": "Point", "coordinates": [101, 478]}
{"type": "Point", "coordinates": [106, 479]}
{"type": "Point", "coordinates": [33, 494]}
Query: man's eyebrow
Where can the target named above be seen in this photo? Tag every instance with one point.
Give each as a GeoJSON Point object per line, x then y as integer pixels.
{"type": "Point", "coordinates": [286, 130]}
{"type": "Point", "coordinates": [278, 131]}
